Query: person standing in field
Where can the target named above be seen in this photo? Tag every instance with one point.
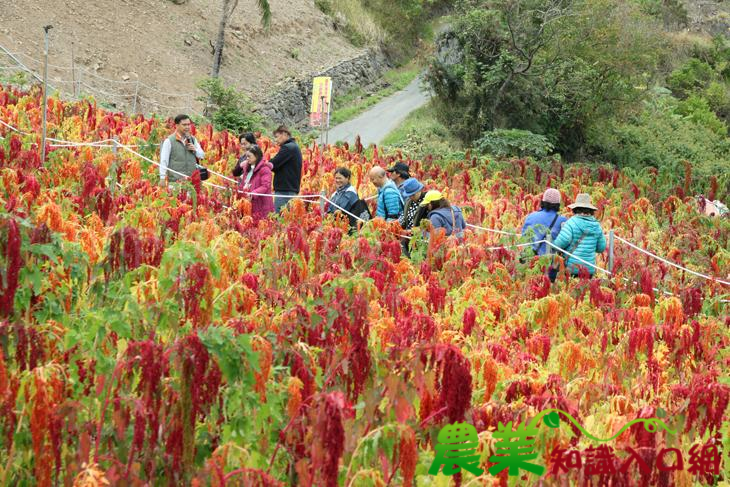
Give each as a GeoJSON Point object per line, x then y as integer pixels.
{"type": "Point", "coordinates": [257, 179]}
{"type": "Point", "coordinates": [581, 236]}
{"type": "Point", "coordinates": [399, 174]}
{"type": "Point", "coordinates": [345, 195]}
{"type": "Point", "coordinates": [287, 167]}
{"type": "Point", "coordinates": [539, 224]}
{"type": "Point", "coordinates": [247, 140]}
{"type": "Point", "coordinates": [414, 192]}
{"type": "Point", "coordinates": [390, 202]}
{"type": "Point", "coordinates": [441, 214]}
{"type": "Point", "coordinates": [180, 153]}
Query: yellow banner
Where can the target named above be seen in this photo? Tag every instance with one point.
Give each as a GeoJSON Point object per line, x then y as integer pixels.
{"type": "Point", "coordinates": [321, 97]}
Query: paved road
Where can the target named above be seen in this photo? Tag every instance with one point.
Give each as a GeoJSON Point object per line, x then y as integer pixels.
{"type": "Point", "coordinates": [378, 121]}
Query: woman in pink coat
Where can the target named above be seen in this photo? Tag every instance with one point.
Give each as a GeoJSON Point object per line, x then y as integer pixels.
{"type": "Point", "coordinates": [256, 178]}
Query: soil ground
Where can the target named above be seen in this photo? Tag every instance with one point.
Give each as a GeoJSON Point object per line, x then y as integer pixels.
{"type": "Point", "coordinates": [168, 46]}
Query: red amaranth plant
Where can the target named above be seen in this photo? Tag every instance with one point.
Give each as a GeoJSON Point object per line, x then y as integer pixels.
{"type": "Point", "coordinates": [436, 294]}
{"type": "Point", "coordinates": [468, 320]}
{"type": "Point", "coordinates": [706, 394]}
{"type": "Point", "coordinates": [454, 382]}
{"type": "Point", "coordinates": [647, 283]}
{"type": "Point", "coordinates": [195, 286]}
{"type": "Point", "coordinates": [13, 263]}
{"type": "Point", "coordinates": [692, 301]}
{"type": "Point", "coordinates": [105, 205]}
{"type": "Point", "coordinates": [152, 250]}
{"type": "Point", "coordinates": [328, 434]}
{"type": "Point", "coordinates": [408, 456]}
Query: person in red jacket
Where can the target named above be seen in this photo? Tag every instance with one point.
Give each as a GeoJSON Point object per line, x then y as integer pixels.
{"type": "Point", "coordinates": [256, 178]}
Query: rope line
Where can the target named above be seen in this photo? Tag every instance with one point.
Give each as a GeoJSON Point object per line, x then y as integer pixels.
{"type": "Point", "coordinates": [85, 70]}
{"type": "Point", "coordinates": [60, 143]}
{"type": "Point", "coordinates": [644, 251]}
{"type": "Point", "coordinates": [501, 232]}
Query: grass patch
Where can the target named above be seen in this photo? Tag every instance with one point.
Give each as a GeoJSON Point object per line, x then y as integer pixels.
{"type": "Point", "coordinates": [353, 20]}
{"type": "Point", "coordinates": [356, 101]}
{"type": "Point", "coordinates": [422, 133]}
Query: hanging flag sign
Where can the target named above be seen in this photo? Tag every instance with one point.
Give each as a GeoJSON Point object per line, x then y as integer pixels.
{"type": "Point", "coordinates": [321, 95]}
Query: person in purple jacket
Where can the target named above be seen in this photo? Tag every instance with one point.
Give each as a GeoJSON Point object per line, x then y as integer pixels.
{"type": "Point", "coordinates": [256, 178]}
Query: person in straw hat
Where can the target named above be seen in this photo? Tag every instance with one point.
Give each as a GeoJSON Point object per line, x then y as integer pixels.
{"type": "Point", "coordinates": [581, 236]}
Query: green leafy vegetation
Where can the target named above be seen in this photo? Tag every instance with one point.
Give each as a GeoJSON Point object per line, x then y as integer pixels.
{"type": "Point", "coordinates": [603, 80]}
{"type": "Point", "coordinates": [514, 142]}
{"type": "Point", "coordinates": [399, 27]}
{"type": "Point", "coordinates": [228, 108]}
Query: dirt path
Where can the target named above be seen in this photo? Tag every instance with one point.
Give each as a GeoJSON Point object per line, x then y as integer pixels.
{"type": "Point", "coordinates": [378, 121]}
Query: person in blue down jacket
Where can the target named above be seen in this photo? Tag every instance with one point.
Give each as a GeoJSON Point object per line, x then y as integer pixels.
{"type": "Point", "coordinates": [390, 202]}
{"type": "Point", "coordinates": [581, 236]}
{"type": "Point", "coordinates": [442, 214]}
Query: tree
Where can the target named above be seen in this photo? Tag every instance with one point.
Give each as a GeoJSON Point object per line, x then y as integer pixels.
{"type": "Point", "coordinates": [229, 6]}
{"type": "Point", "coordinates": [532, 27]}
{"type": "Point", "coordinates": [552, 67]}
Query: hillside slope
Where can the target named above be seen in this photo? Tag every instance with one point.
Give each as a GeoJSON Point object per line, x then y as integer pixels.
{"type": "Point", "coordinates": [167, 46]}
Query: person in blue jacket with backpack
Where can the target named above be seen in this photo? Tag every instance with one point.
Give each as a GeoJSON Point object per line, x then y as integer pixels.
{"type": "Point", "coordinates": [390, 201]}
{"type": "Point", "coordinates": [539, 224]}
{"type": "Point", "coordinates": [581, 236]}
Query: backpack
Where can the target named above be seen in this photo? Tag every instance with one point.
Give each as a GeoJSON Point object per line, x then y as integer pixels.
{"type": "Point", "coordinates": [361, 210]}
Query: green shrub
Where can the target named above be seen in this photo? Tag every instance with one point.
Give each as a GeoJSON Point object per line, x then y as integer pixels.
{"type": "Point", "coordinates": [661, 137]}
{"type": "Point", "coordinates": [694, 75]}
{"type": "Point", "coordinates": [514, 142]}
{"type": "Point", "coordinates": [698, 110]}
{"type": "Point", "coordinates": [718, 97]}
{"type": "Point", "coordinates": [231, 110]}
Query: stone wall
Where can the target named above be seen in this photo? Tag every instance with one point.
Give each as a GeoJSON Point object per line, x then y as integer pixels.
{"type": "Point", "coordinates": [292, 98]}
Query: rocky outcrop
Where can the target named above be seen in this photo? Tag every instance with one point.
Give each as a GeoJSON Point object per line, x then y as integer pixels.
{"type": "Point", "coordinates": [292, 98]}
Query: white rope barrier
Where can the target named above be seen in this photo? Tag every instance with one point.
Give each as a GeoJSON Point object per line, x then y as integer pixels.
{"type": "Point", "coordinates": [662, 259]}
{"type": "Point", "coordinates": [501, 232]}
{"type": "Point", "coordinates": [86, 71]}
{"type": "Point", "coordinates": [516, 246]}
{"type": "Point", "coordinates": [23, 66]}
{"type": "Point", "coordinates": [314, 198]}
{"type": "Point", "coordinates": [578, 258]}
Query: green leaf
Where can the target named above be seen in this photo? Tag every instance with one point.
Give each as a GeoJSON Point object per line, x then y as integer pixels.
{"type": "Point", "coordinates": [552, 420]}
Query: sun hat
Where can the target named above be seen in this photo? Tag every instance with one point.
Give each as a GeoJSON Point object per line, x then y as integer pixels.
{"type": "Point", "coordinates": [583, 200]}
{"type": "Point", "coordinates": [551, 195]}
{"type": "Point", "coordinates": [411, 186]}
{"type": "Point", "coordinates": [431, 196]}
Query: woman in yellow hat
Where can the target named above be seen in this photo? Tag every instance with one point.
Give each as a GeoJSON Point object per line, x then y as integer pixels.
{"type": "Point", "coordinates": [441, 214]}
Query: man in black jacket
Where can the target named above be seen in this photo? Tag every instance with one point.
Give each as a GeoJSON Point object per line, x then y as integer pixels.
{"type": "Point", "coordinates": [287, 167]}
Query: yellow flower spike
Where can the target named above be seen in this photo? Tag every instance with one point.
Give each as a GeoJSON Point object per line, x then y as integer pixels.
{"type": "Point", "coordinates": [671, 311]}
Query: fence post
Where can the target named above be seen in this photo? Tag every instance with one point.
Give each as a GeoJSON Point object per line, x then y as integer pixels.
{"type": "Point", "coordinates": [45, 93]}
{"type": "Point", "coordinates": [323, 195]}
{"type": "Point", "coordinates": [610, 251]}
{"type": "Point", "coordinates": [73, 70]}
{"type": "Point", "coordinates": [113, 169]}
{"type": "Point", "coordinates": [78, 85]}
{"type": "Point", "coordinates": [134, 102]}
